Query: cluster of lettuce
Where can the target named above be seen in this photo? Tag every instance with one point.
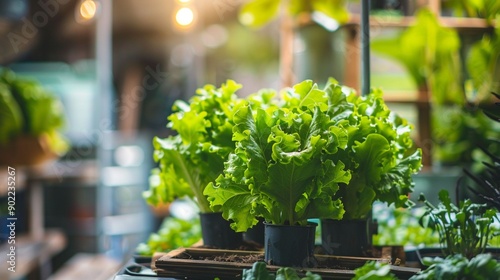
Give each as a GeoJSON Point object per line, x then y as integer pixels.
{"type": "Point", "coordinates": [304, 153]}
{"type": "Point", "coordinates": [26, 108]}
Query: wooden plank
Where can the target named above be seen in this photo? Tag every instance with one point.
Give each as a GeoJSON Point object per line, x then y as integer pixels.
{"type": "Point", "coordinates": [190, 263]}
{"type": "Point", "coordinates": [31, 253]}
{"type": "Point", "coordinates": [87, 266]}
{"type": "Point", "coordinates": [459, 23]}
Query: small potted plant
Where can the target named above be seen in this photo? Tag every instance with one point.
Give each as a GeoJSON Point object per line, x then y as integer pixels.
{"type": "Point", "coordinates": [465, 229]}
{"type": "Point", "coordinates": [284, 170]}
{"type": "Point", "coordinates": [30, 122]}
{"type": "Point", "coordinates": [194, 157]}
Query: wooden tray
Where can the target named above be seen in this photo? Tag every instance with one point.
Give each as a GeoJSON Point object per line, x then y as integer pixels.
{"type": "Point", "coordinates": [195, 263]}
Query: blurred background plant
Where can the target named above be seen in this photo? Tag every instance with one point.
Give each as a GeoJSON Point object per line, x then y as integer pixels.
{"type": "Point", "coordinates": [398, 226]}
{"type": "Point", "coordinates": [173, 233]}
{"type": "Point", "coordinates": [459, 126]}
{"type": "Point", "coordinates": [487, 9]}
{"type": "Point", "coordinates": [28, 109]}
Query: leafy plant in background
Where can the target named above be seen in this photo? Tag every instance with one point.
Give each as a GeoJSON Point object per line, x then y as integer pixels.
{"type": "Point", "coordinates": [259, 272]}
{"type": "Point", "coordinates": [430, 53]}
{"type": "Point", "coordinates": [399, 226]}
{"type": "Point", "coordinates": [487, 9]}
{"type": "Point", "coordinates": [257, 13]}
{"type": "Point", "coordinates": [483, 65]}
{"type": "Point", "coordinates": [373, 270]}
{"type": "Point", "coordinates": [173, 233]}
{"type": "Point", "coordinates": [487, 184]}
{"type": "Point", "coordinates": [319, 150]}
{"type": "Point", "coordinates": [464, 230]}
{"type": "Point", "coordinates": [482, 266]}
{"type": "Point", "coordinates": [458, 132]}
{"type": "Point", "coordinates": [26, 108]}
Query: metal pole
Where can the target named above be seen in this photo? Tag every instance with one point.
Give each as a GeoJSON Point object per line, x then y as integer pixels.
{"type": "Point", "coordinates": [104, 70]}
{"type": "Point", "coordinates": [365, 47]}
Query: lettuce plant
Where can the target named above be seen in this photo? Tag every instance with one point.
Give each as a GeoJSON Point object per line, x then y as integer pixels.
{"type": "Point", "coordinates": [379, 152]}
{"type": "Point", "coordinates": [317, 152]}
{"type": "Point", "coordinates": [195, 156]}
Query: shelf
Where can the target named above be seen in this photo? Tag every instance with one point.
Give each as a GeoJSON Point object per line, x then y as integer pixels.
{"type": "Point", "coordinates": [460, 23]}
{"type": "Point", "coordinates": [87, 266]}
{"type": "Point", "coordinates": [31, 253]}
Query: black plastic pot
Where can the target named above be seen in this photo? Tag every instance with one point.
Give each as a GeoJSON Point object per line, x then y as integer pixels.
{"type": "Point", "coordinates": [216, 232]}
{"type": "Point", "coordinates": [291, 246]}
{"type": "Point", "coordinates": [255, 234]}
{"type": "Point", "coordinates": [346, 237]}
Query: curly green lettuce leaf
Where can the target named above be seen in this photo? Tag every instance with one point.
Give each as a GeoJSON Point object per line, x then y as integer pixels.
{"type": "Point", "coordinates": [278, 169]}
{"type": "Point", "coordinates": [381, 158]}
{"type": "Point", "coordinates": [195, 156]}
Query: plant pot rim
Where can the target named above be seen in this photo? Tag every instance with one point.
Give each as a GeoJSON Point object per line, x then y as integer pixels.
{"type": "Point", "coordinates": [346, 220]}
{"type": "Point", "coordinates": [309, 224]}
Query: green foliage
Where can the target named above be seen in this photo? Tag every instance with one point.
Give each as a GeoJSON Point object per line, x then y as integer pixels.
{"type": "Point", "coordinates": [399, 226]}
{"type": "Point", "coordinates": [486, 9]}
{"type": "Point", "coordinates": [482, 266]}
{"type": "Point", "coordinates": [316, 153]}
{"type": "Point", "coordinates": [430, 54]}
{"type": "Point", "coordinates": [173, 233]}
{"type": "Point", "coordinates": [487, 184]}
{"type": "Point", "coordinates": [279, 169]}
{"type": "Point", "coordinates": [374, 271]}
{"type": "Point", "coordinates": [259, 272]}
{"type": "Point", "coordinates": [465, 229]}
{"type": "Point", "coordinates": [194, 157]}
{"type": "Point", "coordinates": [459, 132]}
{"type": "Point", "coordinates": [483, 64]}
{"type": "Point", "coordinates": [27, 108]}
{"type": "Point", "coordinates": [380, 155]}
{"type": "Point", "coordinates": [257, 13]}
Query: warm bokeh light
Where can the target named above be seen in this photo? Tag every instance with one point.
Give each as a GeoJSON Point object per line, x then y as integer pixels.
{"type": "Point", "coordinates": [88, 9]}
{"type": "Point", "coordinates": [184, 16]}
{"type": "Point", "coordinates": [184, 1]}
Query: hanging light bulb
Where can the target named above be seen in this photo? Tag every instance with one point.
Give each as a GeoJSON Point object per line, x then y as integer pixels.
{"type": "Point", "coordinates": [86, 11]}
{"type": "Point", "coordinates": [184, 16]}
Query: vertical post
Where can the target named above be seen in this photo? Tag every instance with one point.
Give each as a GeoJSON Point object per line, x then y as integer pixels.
{"type": "Point", "coordinates": [286, 46]}
{"type": "Point", "coordinates": [365, 47]}
{"type": "Point", "coordinates": [104, 100]}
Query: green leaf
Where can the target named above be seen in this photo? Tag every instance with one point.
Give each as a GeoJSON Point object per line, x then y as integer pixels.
{"type": "Point", "coordinates": [258, 13]}
{"type": "Point", "coordinates": [287, 273]}
{"type": "Point", "coordinates": [194, 158]}
{"type": "Point", "coordinates": [374, 271]}
{"type": "Point", "coordinates": [257, 272]}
